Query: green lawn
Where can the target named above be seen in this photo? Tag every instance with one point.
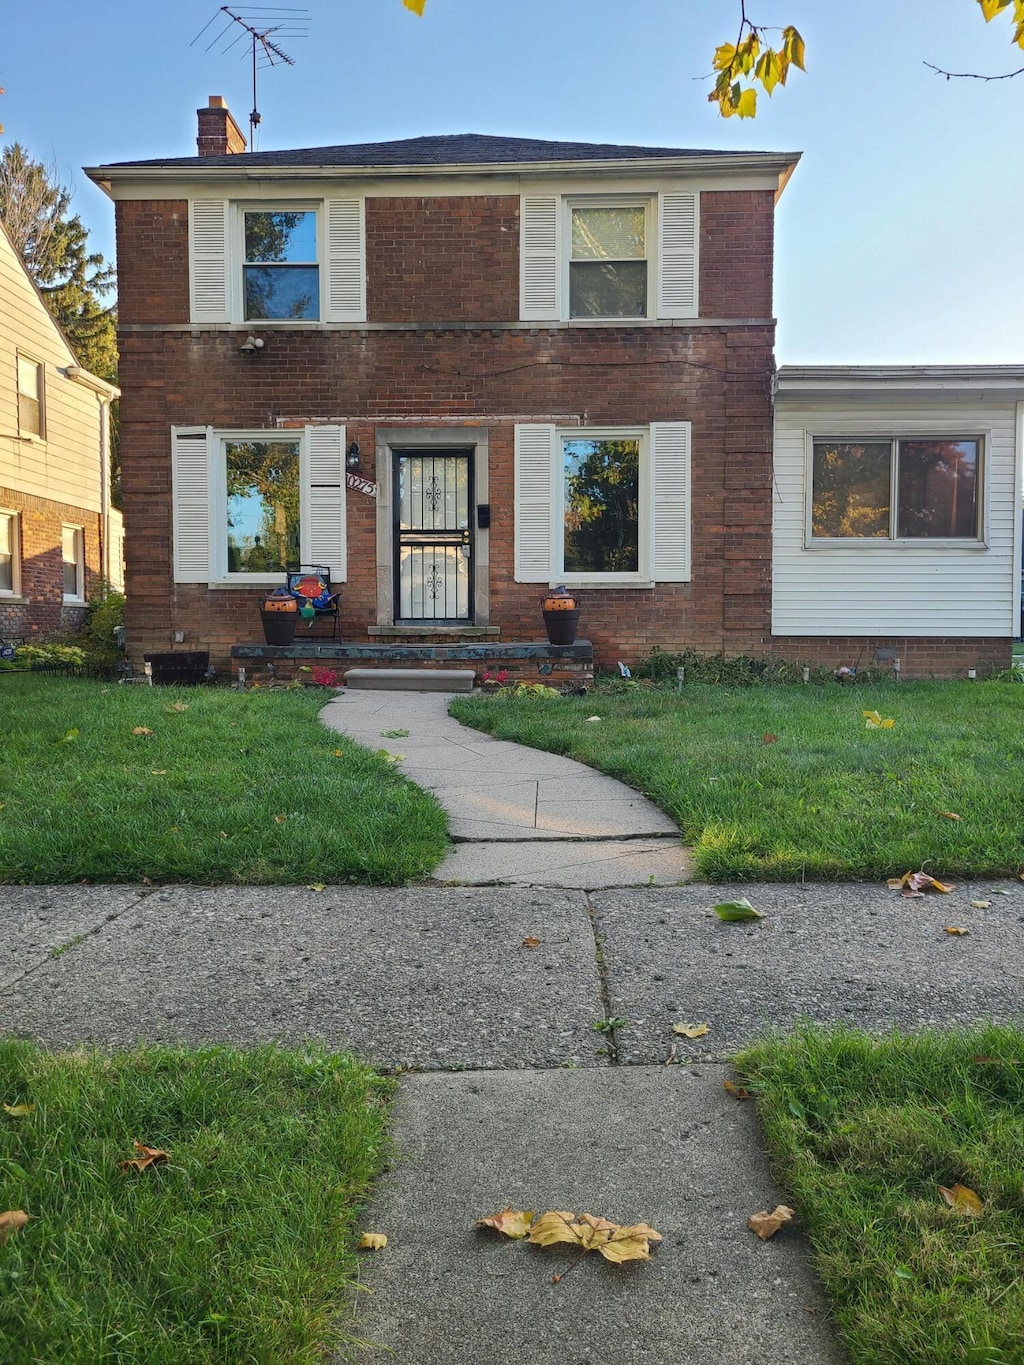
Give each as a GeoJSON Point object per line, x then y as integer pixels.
{"type": "Point", "coordinates": [234, 787]}
{"type": "Point", "coordinates": [863, 1132]}
{"type": "Point", "coordinates": [238, 1249]}
{"type": "Point", "coordinates": [782, 783]}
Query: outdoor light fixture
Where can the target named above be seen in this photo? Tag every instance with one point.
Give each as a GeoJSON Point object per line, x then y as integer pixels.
{"type": "Point", "coordinates": [352, 457]}
{"type": "Point", "coordinates": [251, 346]}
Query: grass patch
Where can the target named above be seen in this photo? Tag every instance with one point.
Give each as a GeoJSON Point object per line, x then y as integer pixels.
{"type": "Point", "coordinates": [238, 1250]}
{"type": "Point", "coordinates": [237, 787]}
{"type": "Point", "coordinates": [825, 798]}
{"type": "Point", "coordinates": [863, 1132]}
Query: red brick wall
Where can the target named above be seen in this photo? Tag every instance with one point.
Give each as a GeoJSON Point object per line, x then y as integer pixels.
{"type": "Point", "coordinates": [920, 657]}
{"type": "Point", "coordinates": [152, 260]}
{"type": "Point", "coordinates": [736, 247]}
{"type": "Point", "coordinates": [42, 612]}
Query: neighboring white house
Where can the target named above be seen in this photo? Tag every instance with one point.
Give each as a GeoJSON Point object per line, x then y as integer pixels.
{"type": "Point", "coordinates": [59, 534]}
{"type": "Point", "coordinates": [897, 501]}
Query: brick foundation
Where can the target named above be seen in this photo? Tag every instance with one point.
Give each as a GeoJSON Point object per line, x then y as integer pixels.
{"type": "Point", "coordinates": [920, 657]}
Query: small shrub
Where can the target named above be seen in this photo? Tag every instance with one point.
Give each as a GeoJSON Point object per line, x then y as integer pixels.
{"type": "Point", "coordinates": [744, 670]}
{"type": "Point", "coordinates": [105, 613]}
{"type": "Point", "coordinates": [37, 656]}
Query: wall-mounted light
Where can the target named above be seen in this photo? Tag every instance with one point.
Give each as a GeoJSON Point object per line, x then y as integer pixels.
{"type": "Point", "coordinates": [352, 456]}
{"type": "Point", "coordinates": [251, 346]}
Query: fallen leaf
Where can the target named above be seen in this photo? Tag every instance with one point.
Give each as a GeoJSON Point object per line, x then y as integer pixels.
{"type": "Point", "coordinates": [316, 886]}
{"type": "Point", "coordinates": [174, 829]}
{"type": "Point", "coordinates": [553, 1227]}
{"type": "Point", "coordinates": [531, 942]}
{"type": "Point", "coordinates": [18, 1111]}
{"type": "Point", "coordinates": [769, 739]}
{"type": "Point", "coordinates": [280, 819]}
{"type": "Point", "coordinates": [510, 1222]}
{"type": "Point", "coordinates": [1000, 891]}
{"type": "Point", "coordinates": [955, 929]}
{"type": "Point", "coordinates": [139, 730]}
{"type": "Point", "coordinates": [950, 815]}
{"type": "Point", "coordinates": [691, 1030]}
{"type": "Point", "coordinates": [69, 737]}
{"type": "Point", "coordinates": [390, 757]}
{"type": "Point", "coordinates": [373, 1241]}
{"type": "Point", "coordinates": [731, 912]}
{"type": "Point", "coordinates": [178, 706]}
{"type": "Point", "coordinates": [873, 721]}
{"type": "Point", "coordinates": [394, 734]}
{"type": "Point", "coordinates": [919, 881]}
{"type": "Point", "coordinates": [981, 905]}
{"type": "Point", "coordinates": [767, 1224]}
{"type": "Point", "coordinates": [737, 1091]}
{"type": "Point", "coordinates": [610, 1240]}
{"type": "Point", "coordinates": [337, 753]}
{"type": "Point", "coordinates": [12, 1221]}
{"type": "Point", "coordinates": [962, 1199]}
{"type": "Point", "coordinates": [591, 718]}
{"type": "Point", "coordinates": [222, 834]}
{"type": "Point", "coordinates": [151, 1156]}
{"type": "Point", "coordinates": [146, 881]}
{"type": "Point", "coordinates": [158, 772]}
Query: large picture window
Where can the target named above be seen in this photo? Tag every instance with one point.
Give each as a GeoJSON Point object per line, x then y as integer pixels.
{"type": "Point", "coordinates": [601, 505]}
{"type": "Point", "coordinates": [608, 261]}
{"type": "Point", "coordinates": [907, 488]}
{"type": "Point", "coordinates": [262, 506]}
{"type": "Point", "coordinates": [280, 273]}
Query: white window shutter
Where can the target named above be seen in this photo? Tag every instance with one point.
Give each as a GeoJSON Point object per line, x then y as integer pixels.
{"type": "Point", "coordinates": [538, 257]}
{"type": "Point", "coordinates": [190, 501]}
{"type": "Point", "coordinates": [670, 483]}
{"type": "Point", "coordinates": [534, 502]}
{"type": "Point", "coordinates": [323, 501]}
{"type": "Point", "coordinates": [346, 261]}
{"type": "Point", "coordinates": [208, 260]}
{"type": "Point", "coordinates": [678, 218]}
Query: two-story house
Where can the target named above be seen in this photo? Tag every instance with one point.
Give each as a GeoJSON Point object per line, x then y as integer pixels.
{"type": "Point", "coordinates": [459, 370]}
{"type": "Point", "coordinates": [58, 532]}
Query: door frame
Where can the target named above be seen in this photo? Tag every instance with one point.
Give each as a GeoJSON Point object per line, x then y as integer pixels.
{"type": "Point", "coordinates": [472, 440]}
{"type": "Point", "coordinates": [464, 455]}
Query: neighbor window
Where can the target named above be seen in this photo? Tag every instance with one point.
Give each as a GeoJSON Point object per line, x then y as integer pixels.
{"type": "Point", "coordinates": [281, 274]}
{"type": "Point", "coordinates": [600, 505]}
{"type": "Point", "coordinates": [608, 261]}
{"type": "Point", "coordinates": [8, 553]}
{"type": "Point", "coordinates": [73, 543]}
{"type": "Point", "coordinates": [262, 506]}
{"type": "Point", "coordinates": [30, 397]}
{"type": "Point", "coordinates": [902, 489]}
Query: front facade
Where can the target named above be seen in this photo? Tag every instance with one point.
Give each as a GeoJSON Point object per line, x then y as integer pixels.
{"type": "Point", "coordinates": [454, 372]}
{"type": "Point", "coordinates": [59, 534]}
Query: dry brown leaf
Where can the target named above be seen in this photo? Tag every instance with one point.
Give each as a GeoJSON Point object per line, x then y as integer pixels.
{"type": "Point", "coordinates": [950, 815]}
{"type": "Point", "coordinates": [510, 1222]}
{"type": "Point", "coordinates": [531, 942]}
{"type": "Point", "coordinates": [142, 730]}
{"type": "Point", "coordinates": [956, 929]}
{"type": "Point", "coordinates": [769, 739]}
{"type": "Point", "coordinates": [373, 1241]}
{"type": "Point", "coordinates": [981, 905]}
{"type": "Point", "coordinates": [555, 1226]}
{"type": "Point", "coordinates": [12, 1221]}
{"type": "Point", "coordinates": [610, 1240]}
{"type": "Point", "coordinates": [629, 1244]}
{"type": "Point", "coordinates": [151, 1156]}
{"type": "Point", "coordinates": [767, 1224]}
{"type": "Point", "coordinates": [962, 1199]}
{"type": "Point", "coordinates": [918, 881]}
{"type": "Point", "coordinates": [280, 819]}
{"type": "Point", "coordinates": [18, 1111]}
{"type": "Point", "coordinates": [691, 1030]}
{"type": "Point", "coordinates": [737, 1091]}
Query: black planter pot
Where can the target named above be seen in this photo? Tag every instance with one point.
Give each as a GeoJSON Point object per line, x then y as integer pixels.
{"type": "Point", "coordinates": [561, 626]}
{"type": "Point", "coordinates": [279, 626]}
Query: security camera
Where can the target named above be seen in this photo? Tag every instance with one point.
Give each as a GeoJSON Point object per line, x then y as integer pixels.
{"type": "Point", "coordinates": [251, 346]}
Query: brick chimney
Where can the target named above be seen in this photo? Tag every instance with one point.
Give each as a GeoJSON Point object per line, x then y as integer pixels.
{"type": "Point", "coordinates": [219, 134]}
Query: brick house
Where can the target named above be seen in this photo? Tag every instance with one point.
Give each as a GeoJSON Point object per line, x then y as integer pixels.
{"type": "Point", "coordinates": [459, 370]}
{"type": "Point", "coordinates": [59, 534]}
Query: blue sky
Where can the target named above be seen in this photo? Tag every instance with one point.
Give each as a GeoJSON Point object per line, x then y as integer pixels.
{"type": "Point", "coordinates": [898, 237]}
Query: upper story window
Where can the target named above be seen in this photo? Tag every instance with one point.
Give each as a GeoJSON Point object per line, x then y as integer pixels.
{"type": "Point", "coordinates": [608, 268]}
{"type": "Point", "coordinates": [31, 415]}
{"type": "Point", "coordinates": [906, 488]}
{"type": "Point", "coordinates": [281, 275]}
{"type": "Point", "coordinates": [9, 554]}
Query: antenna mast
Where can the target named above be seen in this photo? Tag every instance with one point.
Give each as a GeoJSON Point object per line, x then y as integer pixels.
{"type": "Point", "coordinates": [257, 25]}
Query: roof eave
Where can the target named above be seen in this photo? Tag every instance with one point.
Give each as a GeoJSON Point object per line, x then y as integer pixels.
{"type": "Point", "coordinates": [810, 381]}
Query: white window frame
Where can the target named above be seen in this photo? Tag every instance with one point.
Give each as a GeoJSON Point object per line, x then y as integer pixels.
{"type": "Point", "coordinates": [219, 575]}
{"type": "Point", "coordinates": [648, 202]}
{"type": "Point", "coordinates": [643, 576]}
{"type": "Point", "coordinates": [14, 520]}
{"type": "Point", "coordinates": [237, 261]}
{"type": "Point", "coordinates": [40, 368]}
{"type": "Point", "coordinates": [77, 598]}
{"type": "Point", "coordinates": [979, 541]}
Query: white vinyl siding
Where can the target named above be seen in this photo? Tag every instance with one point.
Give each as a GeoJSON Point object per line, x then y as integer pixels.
{"type": "Point", "coordinates": [673, 234]}
{"type": "Point", "coordinates": [209, 258]}
{"type": "Point", "coordinates": [323, 501]}
{"type": "Point", "coordinates": [346, 261]}
{"type": "Point", "coordinates": [190, 485]}
{"type": "Point", "coordinates": [665, 517]}
{"type": "Point", "coordinates": [875, 586]}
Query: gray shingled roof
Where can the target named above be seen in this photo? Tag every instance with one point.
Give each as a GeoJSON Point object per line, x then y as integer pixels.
{"type": "Point", "coordinates": [452, 149]}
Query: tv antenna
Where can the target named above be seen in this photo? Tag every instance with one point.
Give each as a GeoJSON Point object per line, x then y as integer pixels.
{"type": "Point", "coordinates": [258, 28]}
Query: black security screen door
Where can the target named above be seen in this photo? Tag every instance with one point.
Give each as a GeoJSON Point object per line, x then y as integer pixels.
{"type": "Point", "coordinates": [433, 536]}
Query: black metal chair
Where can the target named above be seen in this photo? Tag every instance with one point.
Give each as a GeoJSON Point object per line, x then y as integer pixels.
{"type": "Point", "coordinates": [311, 587]}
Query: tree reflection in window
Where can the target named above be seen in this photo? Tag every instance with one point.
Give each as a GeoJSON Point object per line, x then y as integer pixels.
{"type": "Point", "coordinates": [282, 279]}
{"type": "Point", "coordinates": [936, 489]}
{"type": "Point", "coordinates": [851, 488]}
{"type": "Point", "coordinates": [263, 505]}
{"type": "Point", "coordinates": [602, 506]}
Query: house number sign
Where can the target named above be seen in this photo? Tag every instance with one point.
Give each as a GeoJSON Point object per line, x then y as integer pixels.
{"type": "Point", "coordinates": [361, 485]}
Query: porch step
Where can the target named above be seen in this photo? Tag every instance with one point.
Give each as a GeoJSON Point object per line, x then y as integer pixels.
{"type": "Point", "coordinates": [411, 679]}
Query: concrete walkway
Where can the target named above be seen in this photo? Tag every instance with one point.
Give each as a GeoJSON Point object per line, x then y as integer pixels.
{"type": "Point", "coordinates": [517, 816]}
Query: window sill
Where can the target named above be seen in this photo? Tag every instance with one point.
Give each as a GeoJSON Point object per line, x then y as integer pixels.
{"type": "Point", "coordinates": [600, 582]}
{"type": "Point", "coordinates": [74, 602]}
{"type": "Point", "coordinates": [14, 599]}
{"type": "Point", "coordinates": [877, 544]}
{"type": "Point", "coordinates": [250, 581]}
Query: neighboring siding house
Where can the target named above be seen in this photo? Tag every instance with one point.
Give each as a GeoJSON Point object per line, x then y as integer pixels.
{"type": "Point", "coordinates": [59, 534]}
{"type": "Point", "coordinates": [458, 371]}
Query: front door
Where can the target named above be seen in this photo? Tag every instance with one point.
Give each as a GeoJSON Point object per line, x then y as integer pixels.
{"type": "Point", "coordinates": [433, 498]}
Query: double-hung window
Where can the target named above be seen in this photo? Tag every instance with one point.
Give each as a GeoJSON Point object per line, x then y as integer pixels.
{"type": "Point", "coordinates": [31, 416]}
{"type": "Point", "coordinates": [608, 260]}
{"type": "Point", "coordinates": [73, 554]}
{"type": "Point", "coordinates": [896, 489]}
{"type": "Point", "coordinates": [280, 271]}
{"type": "Point", "coordinates": [9, 554]}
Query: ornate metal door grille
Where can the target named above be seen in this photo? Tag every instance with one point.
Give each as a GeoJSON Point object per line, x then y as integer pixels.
{"type": "Point", "coordinates": [433, 536]}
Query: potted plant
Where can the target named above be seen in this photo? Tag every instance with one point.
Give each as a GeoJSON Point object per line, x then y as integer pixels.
{"type": "Point", "coordinates": [561, 611]}
{"type": "Point", "coordinates": [280, 614]}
